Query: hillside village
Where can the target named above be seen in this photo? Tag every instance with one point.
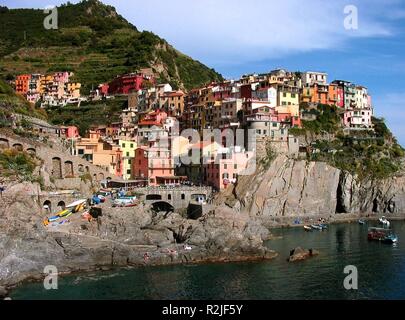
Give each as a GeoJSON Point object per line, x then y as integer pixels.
{"type": "Point", "coordinates": [147, 145]}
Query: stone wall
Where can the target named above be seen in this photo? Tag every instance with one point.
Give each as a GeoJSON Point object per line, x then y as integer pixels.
{"type": "Point", "coordinates": [57, 163]}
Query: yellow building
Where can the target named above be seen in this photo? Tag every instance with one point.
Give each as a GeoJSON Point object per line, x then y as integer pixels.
{"type": "Point", "coordinates": [128, 154]}
{"type": "Point", "coordinates": [44, 82]}
{"type": "Point", "coordinates": [293, 109]}
{"type": "Point", "coordinates": [287, 95]}
{"type": "Point", "coordinates": [73, 88]}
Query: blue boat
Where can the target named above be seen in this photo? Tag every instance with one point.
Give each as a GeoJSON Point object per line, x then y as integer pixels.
{"type": "Point", "coordinates": [316, 227]}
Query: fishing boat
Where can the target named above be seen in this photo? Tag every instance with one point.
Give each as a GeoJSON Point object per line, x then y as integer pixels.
{"type": "Point", "coordinates": [362, 222]}
{"type": "Point", "coordinates": [307, 228]}
{"type": "Point", "coordinates": [382, 234]}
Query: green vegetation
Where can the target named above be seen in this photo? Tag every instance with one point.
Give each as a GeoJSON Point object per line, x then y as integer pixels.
{"type": "Point", "coordinates": [94, 113]}
{"type": "Point", "coordinates": [365, 153]}
{"type": "Point", "coordinates": [11, 102]}
{"type": "Point", "coordinates": [94, 42]}
{"type": "Point", "coordinates": [270, 155]}
{"type": "Point", "coordinates": [17, 165]}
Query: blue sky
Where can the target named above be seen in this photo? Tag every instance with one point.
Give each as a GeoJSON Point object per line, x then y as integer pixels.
{"type": "Point", "coordinates": [238, 36]}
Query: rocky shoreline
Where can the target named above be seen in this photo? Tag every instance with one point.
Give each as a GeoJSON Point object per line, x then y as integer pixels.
{"type": "Point", "coordinates": [290, 193]}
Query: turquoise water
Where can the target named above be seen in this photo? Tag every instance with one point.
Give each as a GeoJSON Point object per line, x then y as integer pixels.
{"type": "Point", "coordinates": [381, 270]}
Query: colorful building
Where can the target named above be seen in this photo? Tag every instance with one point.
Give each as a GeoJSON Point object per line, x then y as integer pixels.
{"type": "Point", "coordinates": [220, 173]}
{"type": "Point", "coordinates": [22, 83]}
{"type": "Point", "coordinates": [128, 154]}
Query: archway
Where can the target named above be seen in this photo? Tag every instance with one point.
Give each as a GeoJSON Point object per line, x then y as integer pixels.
{"type": "Point", "coordinates": [62, 205]}
{"type": "Point", "coordinates": [18, 146]}
{"type": "Point", "coordinates": [80, 168]}
{"type": "Point", "coordinates": [162, 206]}
{"type": "Point", "coordinates": [4, 143]}
{"type": "Point", "coordinates": [68, 169]}
{"type": "Point", "coordinates": [47, 205]}
{"type": "Point", "coordinates": [56, 168]}
{"type": "Point", "coordinates": [32, 151]}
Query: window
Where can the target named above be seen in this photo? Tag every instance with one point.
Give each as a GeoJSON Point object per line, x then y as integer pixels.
{"type": "Point", "coordinates": [292, 95]}
{"type": "Point", "coordinates": [183, 196]}
{"type": "Point", "coordinates": [81, 151]}
{"type": "Point", "coordinates": [264, 132]}
{"type": "Point", "coordinates": [235, 166]}
{"type": "Point", "coordinates": [169, 197]}
{"type": "Point", "coordinates": [284, 94]}
{"type": "Point", "coordinates": [234, 176]}
{"type": "Point", "coordinates": [140, 162]}
{"type": "Point", "coordinates": [132, 145]}
{"type": "Point", "coordinates": [225, 166]}
{"type": "Point", "coordinates": [129, 171]}
{"type": "Point", "coordinates": [127, 154]}
{"type": "Point", "coordinates": [123, 145]}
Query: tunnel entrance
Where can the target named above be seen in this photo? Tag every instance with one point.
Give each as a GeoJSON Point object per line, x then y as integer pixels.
{"type": "Point", "coordinates": [162, 206]}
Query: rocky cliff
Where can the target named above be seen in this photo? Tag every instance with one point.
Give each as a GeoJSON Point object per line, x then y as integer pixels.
{"type": "Point", "coordinates": [293, 188]}
{"type": "Point", "coordinates": [121, 237]}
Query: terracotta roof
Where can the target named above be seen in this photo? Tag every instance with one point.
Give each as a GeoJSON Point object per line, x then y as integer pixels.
{"type": "Point", "coordinates": [149, 123]}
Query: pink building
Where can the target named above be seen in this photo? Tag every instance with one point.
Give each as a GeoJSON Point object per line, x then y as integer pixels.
{"type": "Point", "coordinates": [62, 77]}
{"type": "Point", "coordinates": [358, 118]}
{"type": "Point", "coordinates": [220, 173]}
{"type": "Point", "coordinates": [72, 132]}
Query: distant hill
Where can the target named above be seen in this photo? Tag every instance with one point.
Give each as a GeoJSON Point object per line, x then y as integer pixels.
{"type": "Point", "coordinates": [94, 42]}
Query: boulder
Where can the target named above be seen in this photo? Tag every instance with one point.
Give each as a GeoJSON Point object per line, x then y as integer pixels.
{"type": "Point", "coordinates": [299, 254]}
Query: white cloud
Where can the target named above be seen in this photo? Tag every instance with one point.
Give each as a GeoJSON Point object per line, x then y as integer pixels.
{"type": "Point", "coordinates": [229, 31]}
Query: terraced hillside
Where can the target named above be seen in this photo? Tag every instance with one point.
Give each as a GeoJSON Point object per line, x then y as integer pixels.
{"type": "Point", "coordinates": [94, 42]}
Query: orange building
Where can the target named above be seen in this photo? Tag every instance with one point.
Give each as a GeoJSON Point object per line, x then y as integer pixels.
{"type": "Point", "coordinates": [333, 94]}
{"type": "Point", "coordinates": [316, 93]}
{"type": "Point", "coordinates": [22, 83]}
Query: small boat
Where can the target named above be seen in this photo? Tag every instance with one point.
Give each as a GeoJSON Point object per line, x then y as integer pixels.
{"type": "Point", "coordinates": [323, 226]}
{"type": "Point", "coordinates": [383, 220]}
{"type": "Point", "coordinates": [382, 234]}
{"type": "Point", "coordinates": [316, 227]}
{"type": "Point", "coordinates": [307, 228]}
{"type": "Point", "coordinates": [362, 222]}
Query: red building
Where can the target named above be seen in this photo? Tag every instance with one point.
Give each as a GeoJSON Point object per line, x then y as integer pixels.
{"type": "Point", "coordinates": [103, 89]}
{"type": "Point", "coordinates": [127, 83]}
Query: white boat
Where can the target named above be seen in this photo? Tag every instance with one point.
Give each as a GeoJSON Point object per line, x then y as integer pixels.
{"type": "Point", "coordinates": [76, 203]}
{"type": "Point", "coordinates": [383, 220]}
